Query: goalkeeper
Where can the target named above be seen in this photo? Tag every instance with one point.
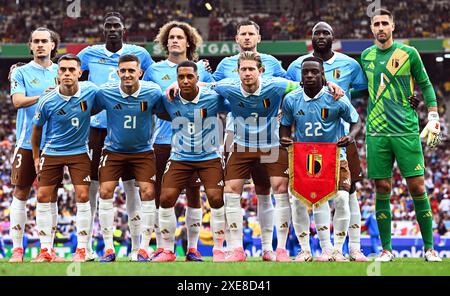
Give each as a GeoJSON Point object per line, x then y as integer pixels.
{"type": "Point", "coordinates": [392, 130]}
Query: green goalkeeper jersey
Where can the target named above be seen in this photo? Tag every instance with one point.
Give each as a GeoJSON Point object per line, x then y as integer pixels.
{"type": "Point", "coordinates": [390, 75]}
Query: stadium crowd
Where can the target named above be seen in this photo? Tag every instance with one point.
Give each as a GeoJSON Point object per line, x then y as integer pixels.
{"type": "Point", "coordinates": [437, 183]}
{"type": "Point", "coordinates": [289, 20]}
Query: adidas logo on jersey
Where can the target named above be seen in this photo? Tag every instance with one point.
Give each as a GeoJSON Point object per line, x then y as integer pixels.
{"type": "Point", "coordinates": [371, 66]}
{"type": "Point", "coordinates": [87, 179]}
{"type": "Point", "coordinates": [241, 105]}
{"type": "Point", "coordinates": [166, 77]}
{"type": "Point", "coordinates": [418, 167]}
{"type": "Point", "coordinates": [117, 107]}
{"type": "Point", "coordinates": [61, 112]}
{"type": "Point", "coordinates": [300, 112]}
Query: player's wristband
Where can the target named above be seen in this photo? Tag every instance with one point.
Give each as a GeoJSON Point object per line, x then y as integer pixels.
{"type": "Point", "coordinates": [433, 115]}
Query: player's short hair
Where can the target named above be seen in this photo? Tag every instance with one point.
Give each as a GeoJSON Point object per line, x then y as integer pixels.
{"type": "Point", "coordinates": [54, 37]}
{"type": "Point", "coordinates": [314, 59]}
{"type": "Point", "coordinates": [192, 36]}
{"type": "Point", "coordinates": [189, 64]}
{"type": "Point", "coordinates": [382, 11]}
{"type": "Point", "coordinates": [129, 58]}
{"type": "Point", "coordinates": [70, 57]}
{"type": "Point", "coordinates": [250, 56]}
{"type": "Point", "coordinates": [113, 14]}
{"type": "Point", "coordinates": [247, 23]}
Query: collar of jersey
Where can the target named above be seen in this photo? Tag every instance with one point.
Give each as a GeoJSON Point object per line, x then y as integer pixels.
{"type": "Point", "coordinates": [194, 101]}
{"type": "Point", "coordinates": [329, 61]}
{"type": "Point", "coordinates": [134, 95]}
{"type": "Point", "coordinates": [67, 98]}
{"type": "Point", "coordinates": [319, 94]}
{"type": "Point", "coordinates": [171, 64]}
{"type": "Point", "coordinates": [256, 93]}
{"type": "Point", "coordinates": [109, 54]}
{"type": "Point", "coordinates": [36, 65]}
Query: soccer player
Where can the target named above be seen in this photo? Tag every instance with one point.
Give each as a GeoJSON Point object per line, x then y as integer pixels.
{"type": "Point", "coordinates": [247, 38]}
{"type": "Point", "coordinates": [324, 114]}
{"type": "Point", "coordinates": [180, 42]}
{"type": "Point", "coordinates": [101, 62]}
{"type": "Point", "coordinates": [129, 106]}
{"type": "Point", "coordinates": [255, 102]}
{"type": "Point", "coordinates": [27, 84]}
{"type": "Point", "coordinates": [195, 149]}
{"type": "Point", "coordinates": [392, 129]}
{"type": "Point", "coordinates": [66, 110]}
{"type": "Point", "coordinates": [347, 73]}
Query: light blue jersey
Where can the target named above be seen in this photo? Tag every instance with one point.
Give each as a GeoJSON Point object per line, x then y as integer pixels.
{"type": "Point", "coordinates": [164, 73]}
{"type": "Point", "coordinates": [255, 115]}
{"type": "Point", "coordinates": [195, 126]}
{"type": "Point", "coordinates": [102, 66]}
{"type": "Point", "coordinates": [67, 120]}
{"type": "Point", "coordinates": [340, 69]}
{"type": "Point", "coordinates": [129, 116]}
{"type": "Point", "coordinates": [31, 80]}
{"type": "Point", "coordinates": [317, 119]}
{"type": "Point", "coordinates": [228, 67]}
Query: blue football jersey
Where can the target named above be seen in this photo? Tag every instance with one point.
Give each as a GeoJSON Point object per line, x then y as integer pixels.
{"type": "Point", "coordinates": [67, 120]}
{"type": "Point", "coordinates": [129, 116]}
{"type": "Point", "coordinates": [103, 64]}
{"type": "Point", "coordinates": [340, 69]}
{"type": "Point", "coordinates": [164, 73]}
{"type": "Point", "coordinates": [255, 115]}
{"type": "Point", "coordinates": [317, 119]}
{"type": "Point", "coordinates": [228, 67]}
{"type": "Point", "coordinates": [195, 126]}
{"type": "Point", "coordinates": [31, 80]}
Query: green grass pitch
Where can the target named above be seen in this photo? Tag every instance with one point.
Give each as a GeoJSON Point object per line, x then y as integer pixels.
{"type": "Point", "coordinates": [253, 267]}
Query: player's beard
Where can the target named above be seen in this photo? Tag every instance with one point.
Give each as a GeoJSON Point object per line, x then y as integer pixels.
{"type": "Point", "coordinates": [325, 49]}
{"type": "Point", "coordinates": [385, 39]}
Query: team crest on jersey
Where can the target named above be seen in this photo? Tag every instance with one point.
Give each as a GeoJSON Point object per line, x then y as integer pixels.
{"type": "Point", "coordinates": [324, 113]}
{"type": "Point", "coordinates": [83, 106]}
{"type": "Point", "coordinates": [166, 77]}
{"type": "Point", "coordinates": [395, 63]}
{"type": "Point", "coordinates": [336, 73]}
{"type": "Point", "coordinates": [144, 106]}
{"type": "Point", "coordinates": [35, 81]}
{"type": "Point", "coordinates": [314, 164]}
{"type": "Point", "coordinates": [266, 103]}
{"type": "Point", "coordinates": [102, 61]}
{"type": "Point", "coordinates": [203, 113]}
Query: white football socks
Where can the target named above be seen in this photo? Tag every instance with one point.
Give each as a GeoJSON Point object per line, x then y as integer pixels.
{"type": "Point", "coordinates": [322, 220]}
{"type": "Point", "coordinates": [18, 215]}
{"type": "Point", "coordinates": [233, 212]}
{"type": "Point", "coordinates": [282, 218]}
{"type": "Point", "coordinates": [106, 217]}
{"type": "Point", "coordinates": [148, 222]}
{"type": "Point", "coordinates": [157, 230]}
{"type": "Point", "coordinates": [301, 223]}
{"type": "Point", "coordinates": [193, 223]}
{"type": "Point", "coordinates": [83, 222]}
{"type": "Point", "coordinates": [341, 219]}
{"type": "Point", "coordinates": [167, 225]}
{"type": "Point", "coordinates": [133, 205]}
{"type": "Point", "coordinates": [93, 200]}
{"type": "Point", "coordinates": [266, 221]}
{"type": "Point", "coordinates": [354, 230]}
{"type": "Point", "coordinates": [54, 210]}
{"type": "Point", "coordinates": [218, 227]}
{"type": "Point", "coordinates": [44, 224]}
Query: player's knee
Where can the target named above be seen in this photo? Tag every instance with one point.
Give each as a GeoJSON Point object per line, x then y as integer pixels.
{"type": "Point", "coordinates": [106, 192]}
{"type": "Point", "coordinates": [280, 188]}
{"type": "Point", "coordinates": [167, 199]}
{"type": "Point", "coordinates": [341, 201]}
{"type": "Point", "coordinates": [21, 192]}
{"type": "Point", "coordinates": [383, 186]}
{"type": "Point", "coordinates": [43, 196]}
{"type": "Point", "coordinates": [82, 196]}
{"type": "Point", "coordinates": [147, 193]}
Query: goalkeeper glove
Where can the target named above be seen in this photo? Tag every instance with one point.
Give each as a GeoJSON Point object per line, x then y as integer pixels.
{"type": "Point", "coordinates": [432, 131]}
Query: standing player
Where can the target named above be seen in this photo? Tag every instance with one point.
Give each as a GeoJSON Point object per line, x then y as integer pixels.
{"type": "Point", "coordinates": [27, 84]}
{"type": "Point", "coordinates": [180, 42]}
{"type": "Point", "coordinates": [195, 150]}
{"type": "Point", "coordinates": [392, 130]}
{"type": "Point", "coordinates": [129, 106]}
{"type": "Point", "coordinates": [66, 110]}
{"type": "Point", "coordinates": [324, 113]}
{"type": "Point", "coordinates": [347, 73]}
{"type": "Point", "coordinates": [101, 61]}
{"type": "Point", "coordinates": [247, 38]}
